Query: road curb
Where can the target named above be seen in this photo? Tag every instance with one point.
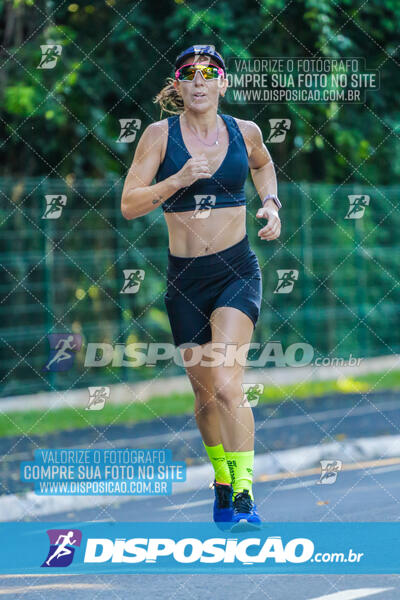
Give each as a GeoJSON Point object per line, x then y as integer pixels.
{"type": "Point", "coordinates": [126, 393]}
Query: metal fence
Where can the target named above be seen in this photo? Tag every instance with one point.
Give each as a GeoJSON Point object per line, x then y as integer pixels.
{"type": "Point", "coordinates": [65, 274]}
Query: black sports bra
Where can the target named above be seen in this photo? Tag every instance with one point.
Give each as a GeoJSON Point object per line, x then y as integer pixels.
{"type": "Point", "coordinates": [224, 188]}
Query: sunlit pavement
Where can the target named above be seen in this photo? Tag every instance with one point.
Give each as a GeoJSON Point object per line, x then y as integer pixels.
{"type": "Point", "coordinates": [367, 494]}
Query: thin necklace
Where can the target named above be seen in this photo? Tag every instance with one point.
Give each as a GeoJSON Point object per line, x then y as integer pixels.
{"type": "Point", "coordinates": [209, 145]}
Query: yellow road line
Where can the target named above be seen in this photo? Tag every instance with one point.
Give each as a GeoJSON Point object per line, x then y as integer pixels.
{"type": "Point", "coordinates": [317, 470]}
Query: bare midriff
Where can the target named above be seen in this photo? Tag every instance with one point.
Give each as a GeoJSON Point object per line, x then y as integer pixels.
{"type": "Point", "coordinates": [190, 236]}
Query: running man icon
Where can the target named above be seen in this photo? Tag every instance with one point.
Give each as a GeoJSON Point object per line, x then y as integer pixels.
{"type": "Point", "coordinates": [129, 128]}
{"type": "Point", "coordinates": [358, 203]}
{"type": "Point", "coordinates": [50, 54]}
{"type": "Point", "coordinates": [54, 206]}
{"type": "Point", "coordinates": [133, 279]}
{"type": "Point", "coordinates": [287, 279]}
{"type": "Point", "coordinates": [62, 349]}
{"type": "Point", "coordinates": [279, 129]}
{"type": "Point", "coordinates": [61, 552]}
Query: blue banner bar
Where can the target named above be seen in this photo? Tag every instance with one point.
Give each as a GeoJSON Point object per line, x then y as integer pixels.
{"type": "Point", "coordinates": [93, 547]}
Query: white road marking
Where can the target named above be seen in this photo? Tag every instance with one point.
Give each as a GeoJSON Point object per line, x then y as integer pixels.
{"type": "Point", "coordinates": [353, 594]}
{"type": "Point", "coordinates": [293, 486]}
{"type": "Point", "coordinates": [378, 470]}
{"type": "Point", "coordinates": [26, 575]}
{"type": "Point", "coordinates": [54, 586]}
{"type": "Point", "coordinates": [304, 484]}
{"type": "Point", "coordinates": [186, 505]}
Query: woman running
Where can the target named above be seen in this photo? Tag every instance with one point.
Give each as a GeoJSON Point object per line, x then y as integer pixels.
{"type": "Point", "coordinates": [200, 160]}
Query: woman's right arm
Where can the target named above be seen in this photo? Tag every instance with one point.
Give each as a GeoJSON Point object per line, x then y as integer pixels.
{"type": "Point", "coordinates": [139, 197]}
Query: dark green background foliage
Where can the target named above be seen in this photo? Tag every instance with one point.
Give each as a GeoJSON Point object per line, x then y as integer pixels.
{"type": "Point", "coordinates": [58, 135]}
{"type": "Point", "coordinates": [117, 54]}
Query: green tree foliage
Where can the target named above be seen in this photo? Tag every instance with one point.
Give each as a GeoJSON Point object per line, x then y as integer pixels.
{"type": "Point", "coordinates": [116, 55]}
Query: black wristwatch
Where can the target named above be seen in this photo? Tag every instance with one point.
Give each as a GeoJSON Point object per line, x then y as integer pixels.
{"type": "Point", "coordinates": [273, 197]}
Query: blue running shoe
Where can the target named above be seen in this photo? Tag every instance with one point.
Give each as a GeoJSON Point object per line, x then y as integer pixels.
{"type": "Point", "coordinates": [223, 507]}
{"type": "Point", "coordinates": [245, 515]}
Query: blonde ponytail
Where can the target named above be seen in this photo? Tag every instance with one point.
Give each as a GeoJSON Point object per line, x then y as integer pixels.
{"type": "Point", "coordinates": [169, 99]}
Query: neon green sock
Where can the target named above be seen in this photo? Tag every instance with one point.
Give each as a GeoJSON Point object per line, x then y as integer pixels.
{"type": "Point", "coordinates": [241, 467]}
{"type": "Point", "coordinates": [216, 454]}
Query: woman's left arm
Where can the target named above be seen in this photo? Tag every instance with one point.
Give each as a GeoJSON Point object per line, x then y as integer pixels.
{"type": "Point", "coordinates": [264, 178]}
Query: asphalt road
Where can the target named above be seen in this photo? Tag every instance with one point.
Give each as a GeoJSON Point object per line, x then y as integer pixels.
{"type": "Point", "coordinates": [368, 494]}
{"type": "Point", "coordinates": [286, 425]}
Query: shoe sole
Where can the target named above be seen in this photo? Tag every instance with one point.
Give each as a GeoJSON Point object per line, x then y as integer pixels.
{"type": "Point", "coordinates": [244, 525]}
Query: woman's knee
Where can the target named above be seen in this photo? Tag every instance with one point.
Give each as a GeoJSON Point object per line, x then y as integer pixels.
{"type": "Point", "coordinates": [203, 394]}
{"type": "Point", "coordinates": [205, 403]}
{"type": "Point", "coordinates": [227, 386]}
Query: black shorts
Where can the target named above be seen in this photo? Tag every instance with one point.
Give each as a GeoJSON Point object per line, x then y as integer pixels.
{"type": "Point", "coordinates": [196, 286]}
